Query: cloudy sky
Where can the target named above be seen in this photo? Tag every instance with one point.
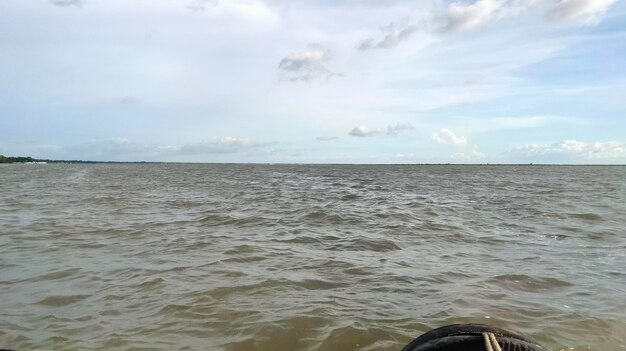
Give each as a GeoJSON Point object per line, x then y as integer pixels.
{"type": "Point", "coordinates": [320, 81]}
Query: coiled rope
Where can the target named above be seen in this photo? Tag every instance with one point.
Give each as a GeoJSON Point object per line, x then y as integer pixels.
{"type": "Point", "coordinates": [491, 343]}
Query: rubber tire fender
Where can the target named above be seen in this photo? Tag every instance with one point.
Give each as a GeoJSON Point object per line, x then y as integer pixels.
{"type": "Point", "coordinates": [469, 337]}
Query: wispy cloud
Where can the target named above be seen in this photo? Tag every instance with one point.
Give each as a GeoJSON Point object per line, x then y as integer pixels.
{"type": "Point", "coordinates": [457, 16]}
{"type": "Point", "coordinates": [307, 65]}
{"type": "Point", "coordinates": [461, 16]}
{"type": "Point", "coordinates": [364, 131]}
{"type": "Point", "coordinates": [201, 5]}
{"type": "Point", "coordinates": [587, 12]}
{"type": "Point", "coordinates": [397, 128]}
{"type": "Point", "coordinates": [446, 136]}
{"type": "Point", "coordinates": [67, 2]}
{"type": "Point", "coordinates": [393, 34]}
{"type": "Point", "coordinates": [392, 129]}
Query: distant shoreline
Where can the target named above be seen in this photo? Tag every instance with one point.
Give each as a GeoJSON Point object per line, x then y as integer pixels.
{"type": "Point", "coordinates": [30, 160]}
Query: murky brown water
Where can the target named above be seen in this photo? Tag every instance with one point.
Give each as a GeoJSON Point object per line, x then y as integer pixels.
{"type": "Point", "coordinates": [245, 257]}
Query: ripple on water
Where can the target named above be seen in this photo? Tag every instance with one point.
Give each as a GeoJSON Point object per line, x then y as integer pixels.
{"type": "Point", "coordinates": [324, 216]}
{"type": "Point", "coordinates": [151, 284]}
{"type": "Point", "coordinates": [523, 282]}
{"type": "Point", "coordinates": [360, 243]}
{"type": "Point", "coordinates": [275, 337]}
{"type": "Point", "coordinates": [61, 300]}
{"type": "Point", "coordinates": [355, 337]}
{"type": "Point", "coordinates": [241, 249]}
{"type": "Point", "coordinates": [260, 257]}
{"type": "Point", "coordinates": [214, 220]}
{"type": "Point", "coordinates": [591, 217]}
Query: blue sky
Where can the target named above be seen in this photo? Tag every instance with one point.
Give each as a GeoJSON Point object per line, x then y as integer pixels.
{"type": "Point", "coordinates": [354, 81]}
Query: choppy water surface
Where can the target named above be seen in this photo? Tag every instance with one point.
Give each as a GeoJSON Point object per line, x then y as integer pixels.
{"type": "Point", "coordinates": [254, 257]}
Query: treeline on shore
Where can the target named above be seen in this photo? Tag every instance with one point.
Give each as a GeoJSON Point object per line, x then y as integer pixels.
{"type": "Point", "coordinates": [28, 159]}
{"type": "Point", "coordinates": [19, 159]}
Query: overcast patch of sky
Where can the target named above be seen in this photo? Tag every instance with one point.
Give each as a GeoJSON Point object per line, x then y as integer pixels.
{"type": "Point", "coordinates": [185, 73]}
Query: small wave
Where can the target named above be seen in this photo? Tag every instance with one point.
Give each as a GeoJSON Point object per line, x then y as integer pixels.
{"type": "Point", "coordinates": [447, 277]}
{"type": "Point", "coordinates": [56, 275]}
{"type": "Point", "coordinates": [616, 273]}
{"type": "Point", "coordinates": [214, 220]}
{"type": "Point", "coordinates": [302, 239]}
{"type": "Point", "coordinates": [112, 297]}
{"type": "Point", "coordinates": [150, 284]}
{"type": "Point", "coordinates": [318, 284]}
{"type": "Point", "coordinates": [103, 200]}
{"type": "Point", "coordinates": [349, 197]}
{"type": "Point", "coordinates": [58, 301]}
{"type": "Point", "coordinates": [603, 235]}
{"type": "Point", "coordinates": [366, 244]}
{"type": "Point", "coordinates": [336, 243]}
{"type": "Point", "coordinates": [527, 283]}
{"type": "Point", "coordinates": [592, 217]}
{"type": "Point", "coordinates": [246, 259]}
{"type": "Point", "coordinates": [241, 249]}
{"type": "Point", "coordinates": [274, 336]}
{"type": "Point", "coordinates": [328, 217]}
{"type": "Point", "coordinates": [221, 292]}
{"type": "Point", "coordinates": [58, 341]}
{"type": "Point", "coordinates": [90, 245]}
{"type": "Point", "coordinates": [357, 338]}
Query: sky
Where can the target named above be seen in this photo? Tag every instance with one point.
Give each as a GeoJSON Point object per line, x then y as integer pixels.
{"type": "Point", "coordinates": [314, 81]}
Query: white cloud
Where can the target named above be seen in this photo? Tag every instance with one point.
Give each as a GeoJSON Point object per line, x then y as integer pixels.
{"type": "Point", "coordinates": [457, 16]}
{"type": "Point", "coordinates": [461, 16]}
{"type": "Point", "coordinates": [572, 150]}
{"type": "Point", "coordinates": [398, 128]}
{"type": "Point", "coordinates": [465, 16]}
{"type": "Point", "coordinates": [364, 131]}
{"type": "Point", "coordinates": [394, 34]}
{"type": "Point", "coordinates": [446, 136]}
{"type": "Point", "coordinates": [392, 129]}
{"type": "Point", "coordinates": [307, 65]}
{"type": "Point", "coordinates": [586, 12]}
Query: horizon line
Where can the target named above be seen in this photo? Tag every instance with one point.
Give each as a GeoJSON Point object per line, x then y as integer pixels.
{"type": "Point", "coordinates": [533, 164]}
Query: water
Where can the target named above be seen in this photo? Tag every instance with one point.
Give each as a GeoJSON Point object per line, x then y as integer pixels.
{"type": "Point", "coordinates": [278, 257]}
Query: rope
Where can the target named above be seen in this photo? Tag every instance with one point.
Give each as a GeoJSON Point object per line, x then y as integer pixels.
{"type": "Point", "coordinates": [491, 343]}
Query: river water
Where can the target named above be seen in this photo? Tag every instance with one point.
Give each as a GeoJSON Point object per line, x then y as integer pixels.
{"type": "Point", "coordinates": [308, 257]}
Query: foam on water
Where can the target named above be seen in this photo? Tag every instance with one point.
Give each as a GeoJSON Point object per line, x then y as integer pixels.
{"type": "Point", "coordinates": [254, 257]}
